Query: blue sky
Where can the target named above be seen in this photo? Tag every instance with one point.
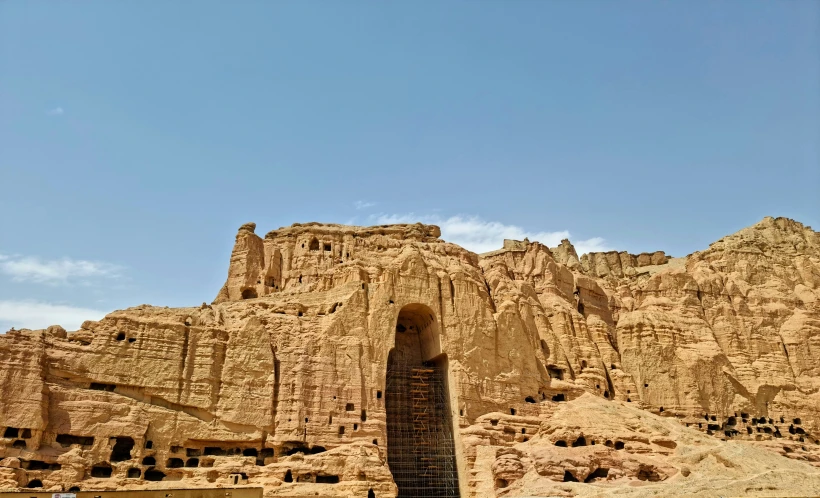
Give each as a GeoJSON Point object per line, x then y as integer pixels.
{"type": "Point", "coordinates": [135, 137]}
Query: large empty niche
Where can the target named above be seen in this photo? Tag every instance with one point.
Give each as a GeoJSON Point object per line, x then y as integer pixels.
{"type": "Point", "coordinates": [122, 449]}
{"type": "Point", "coordinates": [420, 444]}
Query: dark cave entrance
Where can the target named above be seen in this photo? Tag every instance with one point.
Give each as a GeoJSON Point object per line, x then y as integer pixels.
{"type": "Point", "coordinates": [420, 442]}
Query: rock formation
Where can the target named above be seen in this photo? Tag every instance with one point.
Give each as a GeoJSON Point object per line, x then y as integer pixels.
{"type": "Point", "coordinates": [350, 361]}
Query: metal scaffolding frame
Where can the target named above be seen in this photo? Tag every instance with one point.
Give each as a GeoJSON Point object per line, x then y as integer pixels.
{"type": "Point", "coordinates": [420, 444]}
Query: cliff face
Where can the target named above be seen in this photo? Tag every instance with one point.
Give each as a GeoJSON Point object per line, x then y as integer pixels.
{"type": "Point", "coordinates": [285, 379]}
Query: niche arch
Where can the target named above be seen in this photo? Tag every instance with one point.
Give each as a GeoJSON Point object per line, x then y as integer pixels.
{"type": "Point", "coordinates": [420, 434]}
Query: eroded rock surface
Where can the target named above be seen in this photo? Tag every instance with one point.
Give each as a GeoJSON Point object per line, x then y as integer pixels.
{"type": "Point", "coordinates": [637, 374]}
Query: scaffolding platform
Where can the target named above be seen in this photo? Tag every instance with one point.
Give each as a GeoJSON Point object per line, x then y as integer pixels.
{"type": "Point", "coordinates": [420, 444]}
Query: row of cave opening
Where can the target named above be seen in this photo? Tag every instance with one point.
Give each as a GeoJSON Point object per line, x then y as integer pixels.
{"type": "Point", "coordinates": [581, 441]}
{"type": "Point", "coordinates": [729, 427]}
{"type": "Point", "coordinates": [15, 433]}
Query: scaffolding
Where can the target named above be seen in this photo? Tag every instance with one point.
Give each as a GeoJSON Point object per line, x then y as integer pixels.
{"type": "Point", "coordinates": [420, 445]}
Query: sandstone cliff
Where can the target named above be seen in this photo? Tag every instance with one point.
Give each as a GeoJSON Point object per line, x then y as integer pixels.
{"type": "Point", "coordinates": [285, 379]}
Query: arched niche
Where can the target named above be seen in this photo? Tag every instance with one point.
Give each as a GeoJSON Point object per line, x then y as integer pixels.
{"type": "Point", "coordinates": [417, 333]}
{"type": "Point", "coordinates": [420, 434]}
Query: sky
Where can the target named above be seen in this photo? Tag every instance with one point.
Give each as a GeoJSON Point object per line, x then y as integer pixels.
{"type": "Point", "coordinates": [136, 137]}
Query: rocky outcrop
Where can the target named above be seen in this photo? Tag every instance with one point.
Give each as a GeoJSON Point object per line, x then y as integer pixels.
{"type": "Point", "coordinates": [283, 380]}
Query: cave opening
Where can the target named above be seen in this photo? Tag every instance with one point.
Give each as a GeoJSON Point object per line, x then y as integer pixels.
{"type": "Point", "coordinates": [122, 449]}
{"type": "Point", "coordinates": [420, 437]}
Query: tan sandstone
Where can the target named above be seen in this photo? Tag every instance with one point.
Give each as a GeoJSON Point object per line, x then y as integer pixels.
{"type": "Point", "coordinates": [611, 373]}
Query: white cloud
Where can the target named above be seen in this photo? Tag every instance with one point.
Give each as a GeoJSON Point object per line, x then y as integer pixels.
{"type": "Point", "coordinates": [28, 268]}
{"type": "Point", "coordinates": [57, 111]}
{"type": "Point", "coordinates": [595, 244]}
{"type": "Point", "coordinates": [363, 204]}
{"type": "Point", "coordinates": [39, 315]}
{"type": "Point", "coordinates": [479, 235]}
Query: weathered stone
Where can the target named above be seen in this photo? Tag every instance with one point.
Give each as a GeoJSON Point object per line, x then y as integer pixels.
{"type": "Point", "coordinates": [285, 379]}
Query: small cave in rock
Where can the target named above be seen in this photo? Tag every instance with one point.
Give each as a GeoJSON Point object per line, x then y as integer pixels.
{"type": "Point", "coordinates": [134, 473]}
{"type": "Point", "coordinates": [101, 470]}
{"type": "Point", "coordinates": [122, 449]}
{"type": "Point", "coordinates": [529, 399]}
{"type": "Point", "coordinates": [121, 336]}
{"type": "Point", "coordinates": [512, 411]}
{"type": "Point", "coordinates": [149, 460]}
{"type": "Point", "coordinates": [599, 473]}
{"type": "Point", "coordinates": [294, 448]}
{"type": "Point", "coordinates": [154, 475]}
{"type": "Point", "coordinates": [314, 244]}
{"type": "Point", "coordinates": [97, 386]}
{"type": "Point", "coordinates": [327, 247]}
{"type": "Point", "coordinates": [192, 462]}
{"type": "Point", "coordinates": [648, 473]}
{"type": "Point", "coordinates": [731, 421]}
{"type": "Point", "coordinates": [350, 407]}
{"type": "Point", "coordinates": [581, 441]}
{"type": "Point", "coordinates": [250, 452]}
{"type": "Point", "coordinates": [559, 397]}
{"type": "Point", "coordinates": [288, 476]}
{"type": "Point", "coordinates": [561, 443]}
{"type": "Point", "coordinates": [11, 432]}
{"type": "Point", "coordinates": [371, 493]}
{"type": "Point", "coordinates": [149, 444]}
{"type": "Point", "coordinates": [193, 452]}
{"type": "Point", "coordinates": [249, 294]}
{"type": "Point", "coordinates": [568, 477]}
{"type": "Point", "coordinates": [174, 463]}
{"type": "Point", "coordinates": [214, 451]}
{"type": "Point", "coordinates": [796, 421]}
{"type": "Point", "coordinates": [19, 444]}
{"type": "Point", "coordinates": [74, 489]}
{"type": "Point", "coordinates": [555, 372]}
{"type": "Point", "coordinates": [581, 308]}
{"type": "Point", "coordinates": [34, 483]}
{"type": "Point", "coordinates": [327, 479]}
{"type": "Point", "coordinates": [501, 483]}
{"type": "Point", "coordinates": [619, 445]}
{"type": "Point", "coordinates": [34, 465]}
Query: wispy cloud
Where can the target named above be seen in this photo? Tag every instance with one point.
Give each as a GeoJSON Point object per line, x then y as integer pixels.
{"type": "Point", "coordinates": [595, 244]}
{"type": "Point", "coordinates": [57, 111]}
{"type": "Point", "coordinates": [38, 315]}
{"type": "Point", "coordinates": [479, 235]}
{"type": "Point", "coordinates": [58, 271]}
{"type": "Point", "coordinates": [363, 204]}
